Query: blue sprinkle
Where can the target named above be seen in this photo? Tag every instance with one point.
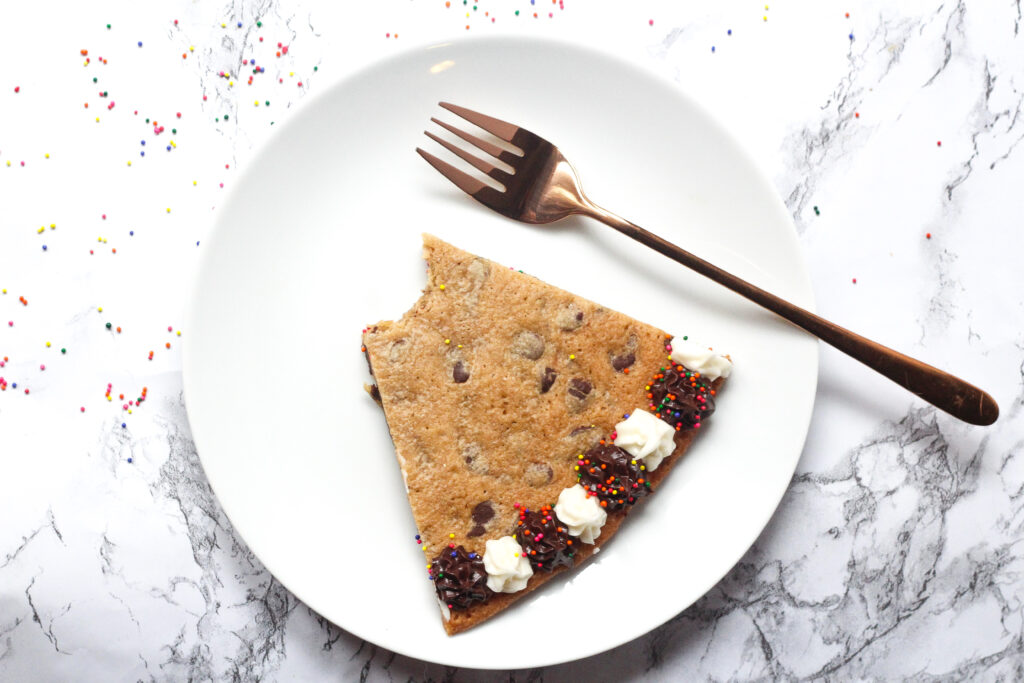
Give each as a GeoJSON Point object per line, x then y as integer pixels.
{"type": "Point", "coordinates": [44, 247]}
{"type": "Point", "coordinates": [712, 48]}
{"type": "Point", "coordinates": [454, 554]}
{"type": "Point", "coordinates": [239, 24]}
{"type": "Point", "coordinates": [168, 148]}
{"type": "Point", "coordinates": [129, 461]}
{"type": "Point", "coordinates": [417, 537]}
{"type": "Point", "coordinates": [143, 142]}
{"type": "Point", "coordinates": [140, 43]}
{"type": "Point", "coordinates": [729, 32]}
{"type": "Point", "coordinates": [131, 233]}
{"type": "Point", "coordinates": [142, 153]}
{"type": "Point", "coordinates": [14, 385]}
{"type": "Point", "coordinates": [851, 36]}
{"type": "Point", "coordinates": [123, 425]}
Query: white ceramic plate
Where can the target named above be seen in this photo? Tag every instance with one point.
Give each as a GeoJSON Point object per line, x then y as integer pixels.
{"type": "Point", "coordinates": [322, 236]}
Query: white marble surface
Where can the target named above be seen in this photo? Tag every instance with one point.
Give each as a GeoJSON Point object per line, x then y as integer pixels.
{"type": "Point", "coordinates": [894, 555]}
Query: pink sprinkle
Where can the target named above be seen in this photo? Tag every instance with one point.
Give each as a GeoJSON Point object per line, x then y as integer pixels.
{"type": "Point", "coordinates": [104, 216]}
{"type": "Point", "coordinates": [17, 88]}
{"type": "Point", "coordinates": [169, 329]}
{"type": "Point", "coordinates": [668, 347]}
{"type": "Point", "coordinates": [42, 367]}
{"type": "Point", "coordinates": [10, 323]}
{"type": "Point", "coordinates": [26, 391]}
{"type": "Point", "coordinates": [82, 409]}
{"type": "Point", "coordinates": [538, 537]}
{"type": "Point", "coordinates": [124, 406]}
{"type": "Point", "coordinates": [651, 22]}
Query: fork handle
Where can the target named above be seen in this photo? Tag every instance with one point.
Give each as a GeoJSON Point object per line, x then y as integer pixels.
{"type": "Point", "coordinates": [951, 394]}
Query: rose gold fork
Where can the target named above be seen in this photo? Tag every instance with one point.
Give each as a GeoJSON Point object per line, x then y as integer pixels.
{"type": "Point", "coordinates": [543, 188]}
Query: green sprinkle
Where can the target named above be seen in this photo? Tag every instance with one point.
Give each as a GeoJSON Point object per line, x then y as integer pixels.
{"type": "Point", "coordinates": [316, 68]}
{"type": "Point", "coordinates": [174, 131]}
{"type": "Point", "coordinates": [517, 13]}
{"type": "Point", "coordinates": [147, 120]}
{"type": "Point", "coordinates": [259, 24]}
{"type": "Point", "coordinates": [63, 350]}
{"type": "Point", "coordinates": [94, 79]}
{"type": "Point", "coordinates": [685, 337]}
{"type": "Point", "coordinates": [225, 117]}
{"type": "Point", "coordinates": [816, 212]}
{"type": "Point", "coordinates": [108, 26]}
{"type": "Point", "coordinates": [108, 326]}
{"type": "Point", "coordinates": [267, 103]}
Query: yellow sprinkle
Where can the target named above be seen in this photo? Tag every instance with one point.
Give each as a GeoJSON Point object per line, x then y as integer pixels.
{"type": "Point", "coordinates": [256, 103]}
{"type": "Point", "coordinates": [53, 226]}
{"type": "Point", "coordinates": [291, 73]}
{"type": "Point", "coordinates": [97, 119]}
{"type": "Point", "coordinates": [451, 535]}
{"type": "Point", "coordinates": [459, 346]}
{"type": "Point", "coordinates": [8, 163]}
{"type": "Point", "coordinates": [99, 239]}
{"type": "Point", "coordinates": [766, 8]}
{"type": "Point", "coordinates": [572, 356]}
{"type": "Point", "coordinates": [168, 209]}
{"type": "Point", "coordinates": [40, 230]}
{"type": "Point", "coordinates": [191, 48]}
{"type": "Point", "coordinates": [173, 145]}
{"type": "Point", "coordinates": [179, 333]}
{"type": "Point", "coordinates": [194, 183]}
{"type": "Point", "coordinates": [99, 309]}
{"type": "Point", "coordinates": [447, 341]}
{"type": "Point", "coordinates": [766, 18]}
{"type": "Point", "coordinates": [442, 286]}
{"type": "Point", "coordinates": [223, 25]}
{"type": "Point", "coordinates": [46, 156]}
{"type": "Point", "coordinates": [230, 83]}
{"type": "Point", "coordinates": [47, 344]}
{"type": "Point", "coordinates": [109, 398]}
{"type": "Point", "coordinates": [129, 163]}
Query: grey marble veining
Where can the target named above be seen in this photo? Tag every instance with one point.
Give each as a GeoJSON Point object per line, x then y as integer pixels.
{"type": "Point", "coordinates": [897, 551]}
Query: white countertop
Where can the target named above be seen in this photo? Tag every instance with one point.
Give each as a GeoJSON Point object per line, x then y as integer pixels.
{"type": "Point", "coordinates": [894, 137]}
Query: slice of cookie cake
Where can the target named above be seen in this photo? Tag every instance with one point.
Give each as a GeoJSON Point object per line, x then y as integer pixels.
{"type": "Point", "coordinates": [527, 421]}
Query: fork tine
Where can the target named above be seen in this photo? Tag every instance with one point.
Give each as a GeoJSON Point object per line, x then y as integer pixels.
{"type": "Point", "coordinates": [488, 147]}
{"type": "Point", "coordinates": [485, 166]}
{"type": "Point", "coordinates": [502, 129]}
{"type": "Point", "coordinates": [462, 180]}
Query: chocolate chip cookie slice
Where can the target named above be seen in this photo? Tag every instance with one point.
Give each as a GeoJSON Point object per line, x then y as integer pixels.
{"type": "Point", "coordinates": [504, 397]}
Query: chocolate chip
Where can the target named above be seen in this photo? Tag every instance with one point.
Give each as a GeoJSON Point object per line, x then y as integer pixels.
{"type": "Point", "coordinates": [579, 388]}
{"type": "Point", "coordinates": [539, 474]}
{"type": "Point", "coordinates": [375, 393]}
{"type": "Point", "coordinates": [547, 379]}
{"type": "Point", "coordinates": [569, 318]}
{"type": "Point", "coordinates": [477, 530]}
{"type": "Point", "coordinates": [473, 456]}
{"type": "Point", "coordinates": [581, 429]}
{"type": "Point", "coordinates": [622, 362]}
{"type": "Point", "coordinates": [397, 351]}
{"type": "Point", "coordinates": [483, 512]}
{"type": "Point", "coordinates": [528, 345]}
{"type": "Point", "coordinates": [459, 373]}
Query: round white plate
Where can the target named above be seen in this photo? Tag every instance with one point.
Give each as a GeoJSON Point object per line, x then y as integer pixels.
{"type": "Point", "coordinates": [321, 237]}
